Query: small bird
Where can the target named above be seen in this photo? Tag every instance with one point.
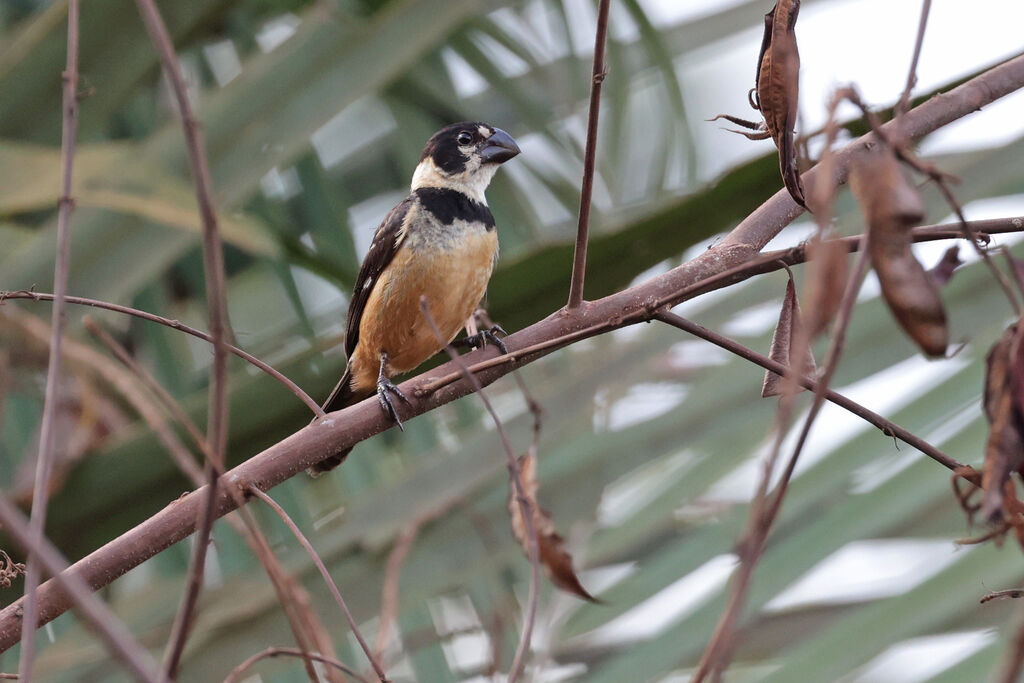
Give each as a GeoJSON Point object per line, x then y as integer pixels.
{"type": "Point", "coordinates": [439, 243]}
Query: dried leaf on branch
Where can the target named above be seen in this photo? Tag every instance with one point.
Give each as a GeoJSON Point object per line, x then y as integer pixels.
{"type": "Point", "coordinates": [557, 562]}
{"type": "Point", "coordinates": [892, 206]}
{"type": "Point", "coordinates": [782, 349]}
{"type": "Point", "coordinates": [777, 92]}
{"type": "Point", "coordinates": [1004, 451]}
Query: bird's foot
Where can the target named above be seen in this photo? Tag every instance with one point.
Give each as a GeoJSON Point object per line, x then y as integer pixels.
{"type": "Point", "coordinates": [481, 338]}
{"type": "Point", "coordinates": [385, 389]}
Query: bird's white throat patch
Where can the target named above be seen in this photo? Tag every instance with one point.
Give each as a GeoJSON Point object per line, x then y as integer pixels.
{"type": "Point", "coordinates": [472, 182]}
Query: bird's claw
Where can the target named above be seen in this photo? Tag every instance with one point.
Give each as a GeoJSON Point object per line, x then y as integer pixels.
{"type": "Point", "coordinates": [385, 388]}
{"type": "Point", "coordinates": [480, 339]}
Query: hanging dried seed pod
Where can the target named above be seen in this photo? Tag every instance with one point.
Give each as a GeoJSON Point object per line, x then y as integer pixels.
{"type": "Point", "coordinates": [892, 207]}
{"type": "Point", "coordinates": [776, 93]}
{"type": "Point", "coordinates": [782, 348]}
{"type": "Point", "coordinates": [827, 264]}
{"type": "Point", "coordinates": [1004, 450]}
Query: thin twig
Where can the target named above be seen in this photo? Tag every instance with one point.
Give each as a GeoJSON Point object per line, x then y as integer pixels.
{"type": "Point", "coordinates": [213, 268]}
{"type": "Point", "coordinates": [886, 426]}
{"type": "Point", "coordinates": [301, 537]}
{"type": "Point", "coordinates": [174, 325]}
{"type": "Point", "coordinates": [304, 623]}
{"type": "Point", "coordinates": [942, 181]}
{"type": "Point", "coordinates": [108, 627]}
{"type": "Point", "coordinates": [1013, 664]}
{"type": "Point", "coordinates": [904, 102]}
{"type": "Point", "coordinates": [519, 660]}
{"type": "Point", "coordinates": [579, 259]}
{"type": "Point", "coordinates": [393, 572]}
{"type": "Point", "coordinates": [145, 407]}
{"type": "Point", "coordinates": [765, 507]}
{"type": "Point", "coordinates": [999, 595]}
{"type": "Point", "coordinates": [236, 673]}
{"type": "Point", "coordinates": [44, 459]}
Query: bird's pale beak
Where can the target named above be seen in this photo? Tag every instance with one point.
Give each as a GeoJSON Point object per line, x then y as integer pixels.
{"type": "Point", "coordinates": [499, 148]}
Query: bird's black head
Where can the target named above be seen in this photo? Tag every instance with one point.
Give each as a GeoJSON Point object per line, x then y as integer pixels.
{"type": "Point", "coordinates": [464, 157]}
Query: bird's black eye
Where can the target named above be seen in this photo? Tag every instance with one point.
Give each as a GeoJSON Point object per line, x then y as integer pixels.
{"type": "Point", "coordinates": [464, 138]}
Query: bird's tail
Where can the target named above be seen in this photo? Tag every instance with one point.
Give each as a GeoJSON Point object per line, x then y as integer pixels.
{"type": "Point", "coordinates": [343, 396]}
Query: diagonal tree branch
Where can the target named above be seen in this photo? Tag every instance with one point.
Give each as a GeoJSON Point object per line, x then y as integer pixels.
{"type": "Point", "coordinates": [636, 304]}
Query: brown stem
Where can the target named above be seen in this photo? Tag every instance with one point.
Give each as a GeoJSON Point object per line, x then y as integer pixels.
{"type": "Point", "coordinates": [304, 542]}
{"type": "Point", "coordinates": [305, 625]}
{"type": "Point", "coordinates": [393, 572]}
{"type": "Point", "coordinates": [44, 459]}
{"type": "Point", "coordinates": [516, 474]}
{"type": "Point", "coordinates": [236, 673]}
{"type": "Point", "coordinates": [176, 325]}
{"type": "Point", "coordinates": [1013, 664]}
{"type": "Point", "coordinates": [904, 101]}
{"type": "Point", "coordinates": [213, 267]}
{"type": "Point", "coordinates": [636, 304]}
{"type": "Point", "coordinates": [110, 629]}
{"type": "Point", "coordinates": [579, 258]}
{"type": "Point", "coordinates": [886, 426]}
{"type": "Point", "coordinates": [766, 507]}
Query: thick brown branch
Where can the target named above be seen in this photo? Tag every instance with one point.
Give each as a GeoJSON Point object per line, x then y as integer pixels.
{"type": "Point", "coordinates": [345, 428]}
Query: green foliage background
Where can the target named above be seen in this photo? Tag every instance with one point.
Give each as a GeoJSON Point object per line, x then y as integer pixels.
{"type": "Point", "coordinates": [628, 469]}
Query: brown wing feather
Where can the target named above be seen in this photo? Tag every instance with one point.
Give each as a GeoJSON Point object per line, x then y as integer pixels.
{"type": "Point", "coordinates": [382, 251]}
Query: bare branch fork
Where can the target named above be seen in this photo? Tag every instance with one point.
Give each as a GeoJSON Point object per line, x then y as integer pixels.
{"type": "Point", "coordinates": [636, 304]}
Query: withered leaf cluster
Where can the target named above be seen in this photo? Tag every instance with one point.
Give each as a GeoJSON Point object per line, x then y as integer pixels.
{"type": "Point", "coordinates": [1004, 407]}
{"type": "Point", "coordinates": [555, 560]}
{"type": "Point", "coordinates": [892, 206]}
{"type": "Point", "coordinates": [776, 93]}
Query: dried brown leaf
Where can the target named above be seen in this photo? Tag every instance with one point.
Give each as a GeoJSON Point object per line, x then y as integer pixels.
{"type": "Point", "coordinates": [892, 206]}
{"type": "Point", "coordinates": [782, 350]}
{"type": "Point", "coordinates": [942, 272]}
{"type": "Point", "coordinates": [1004, 450]}
{"type": "Point", "coordinates": [557, 562]}
{"type": "Point", "coordinates": [826, 280]}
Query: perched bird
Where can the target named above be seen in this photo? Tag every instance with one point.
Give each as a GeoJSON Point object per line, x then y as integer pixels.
{"type": "Point", "coordinates": [439, 242]}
